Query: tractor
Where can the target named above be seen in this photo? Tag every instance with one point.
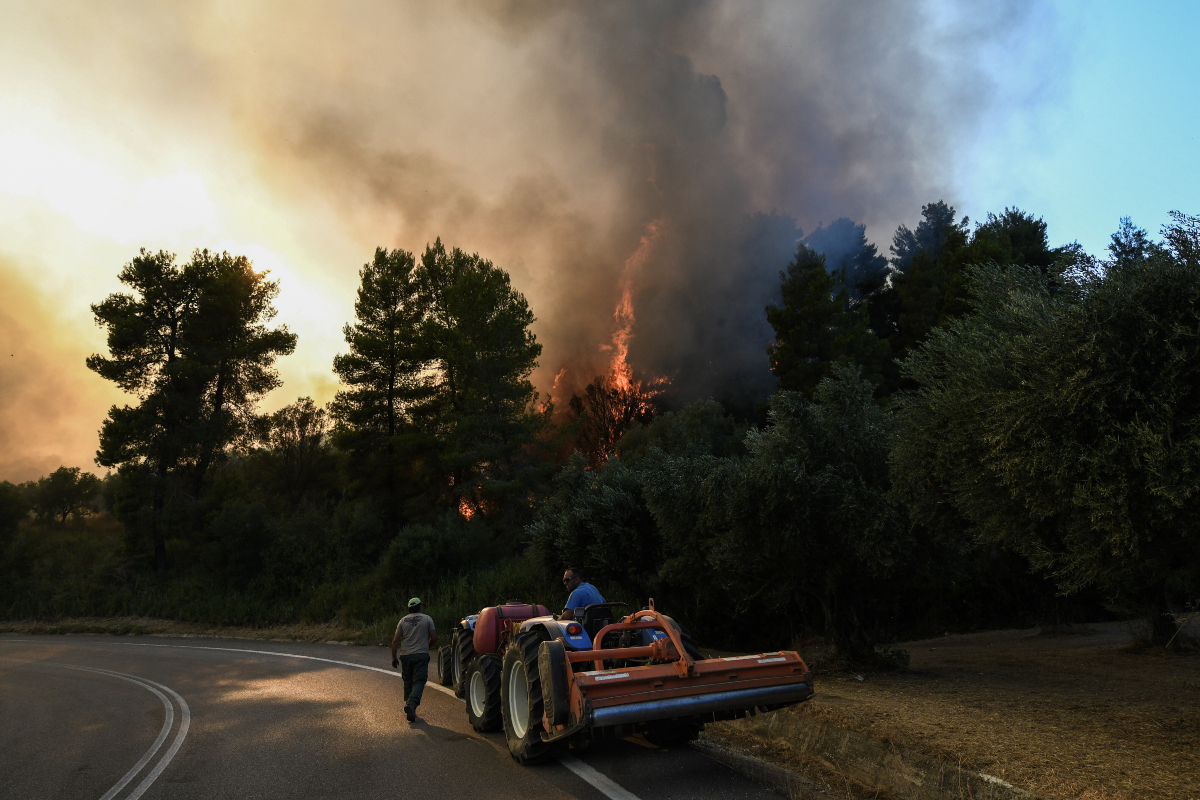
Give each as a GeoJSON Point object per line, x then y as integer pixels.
{"type": "Point", "coordinates": [552, 683]}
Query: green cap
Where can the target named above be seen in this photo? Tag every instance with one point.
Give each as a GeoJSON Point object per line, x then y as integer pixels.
{"type": "Point", "coordinates": [416, 601]}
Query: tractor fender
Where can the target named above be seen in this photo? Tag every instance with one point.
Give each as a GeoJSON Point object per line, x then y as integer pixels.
{"type": "Point", "coordinates": [560, 629]}
{"type": "Point", "coordinates": [492, 620]}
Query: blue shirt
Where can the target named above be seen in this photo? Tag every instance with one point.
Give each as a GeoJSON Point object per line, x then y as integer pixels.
{"type": "Point", "coordinates": [584, 595]}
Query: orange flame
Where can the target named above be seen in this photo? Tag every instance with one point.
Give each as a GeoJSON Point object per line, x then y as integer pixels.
{"type": "Point", "coordinates": [465, 508]}
{"type": "Point", "coordinates": [621, 373]}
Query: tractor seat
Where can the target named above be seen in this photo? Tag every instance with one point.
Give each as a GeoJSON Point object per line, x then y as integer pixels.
{"type": "Point", "coordinates": [597, 615]}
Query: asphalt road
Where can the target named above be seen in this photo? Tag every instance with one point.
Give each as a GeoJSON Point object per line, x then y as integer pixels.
{"type": "Point", "coordinates": [121, 718]}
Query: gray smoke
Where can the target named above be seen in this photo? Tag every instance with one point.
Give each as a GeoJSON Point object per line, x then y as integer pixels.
{"type": "Point", "coordinates": [549, 138]}
{"type": "Point", "coordinates": [731, 125]}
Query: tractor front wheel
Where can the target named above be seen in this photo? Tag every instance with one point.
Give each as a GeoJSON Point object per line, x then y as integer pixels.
{"type": "Point", "coordinates": [445, 665]}
{"type": "Point", "coordinates": [464, 653]}
{"type": "Point", "coordinates": [483, 692]}
{"type": "Point", "coordinates": [522, 704]}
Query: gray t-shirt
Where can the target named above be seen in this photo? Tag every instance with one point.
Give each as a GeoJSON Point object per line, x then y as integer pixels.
{"type": "Point", "coordinates": [414, 632]}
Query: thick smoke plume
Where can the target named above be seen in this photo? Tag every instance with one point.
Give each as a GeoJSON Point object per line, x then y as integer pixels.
{"type": "Point", "coordinates": [558, 140]}
{"type": "Point", "coordinates": [691, 138]}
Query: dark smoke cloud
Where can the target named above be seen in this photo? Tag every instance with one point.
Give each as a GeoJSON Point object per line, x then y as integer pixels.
{"type": "Point", "coordinates": [731, 126]}
{"type": "Point", "coordinates": [547, 137]}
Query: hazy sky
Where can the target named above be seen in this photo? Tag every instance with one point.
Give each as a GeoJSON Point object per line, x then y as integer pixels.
{"type": "Point", "coordinates": [552, 142]}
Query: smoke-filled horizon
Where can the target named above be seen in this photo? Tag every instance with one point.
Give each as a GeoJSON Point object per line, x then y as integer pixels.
{"type": "Point", "coordinates": [670, 153]}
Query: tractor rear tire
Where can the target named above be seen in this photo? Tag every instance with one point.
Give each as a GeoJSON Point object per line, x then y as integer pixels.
{"type": "Point", "coordinates": [464, 653]}
{"type": "Point", "coordinates": [522, 704]}
{"type": "Point", "coordinates": [445, 665]}
{"type": "Point", "coordinates": [672, 733]}
{"type": "Point", "coordinates": [483, 693]}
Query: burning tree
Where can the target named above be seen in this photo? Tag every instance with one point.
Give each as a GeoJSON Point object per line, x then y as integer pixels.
{"type": "Point", "coordinates": [608, 408]}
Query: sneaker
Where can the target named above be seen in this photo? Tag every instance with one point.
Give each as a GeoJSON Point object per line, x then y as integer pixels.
{"type": "Point", "coordinates": [409, 713]}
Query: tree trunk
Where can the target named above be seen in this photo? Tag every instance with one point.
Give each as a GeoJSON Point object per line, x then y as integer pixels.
{"type": "Point", "coordinates": [156, 534]}
{"type": "Point", "coordinates": [1158, 614]}
{"type": "Point", "coordinates": [214, 420]}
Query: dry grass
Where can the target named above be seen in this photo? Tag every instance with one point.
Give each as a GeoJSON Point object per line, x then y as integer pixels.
{"type": "Point", "coordinates": [1079, 716]}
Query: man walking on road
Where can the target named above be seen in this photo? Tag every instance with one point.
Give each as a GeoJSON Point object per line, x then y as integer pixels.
{"type": "Point", "coordinates": [414, 635]}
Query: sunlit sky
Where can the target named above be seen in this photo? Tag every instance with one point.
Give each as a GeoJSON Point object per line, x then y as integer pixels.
{"type": "Point", "coordinates": [1092, 115]}
{"type": "Point", "coordinates": [1116, 133]}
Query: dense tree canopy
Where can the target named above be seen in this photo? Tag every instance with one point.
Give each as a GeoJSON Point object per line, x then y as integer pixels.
{"type": "Point", "coordinates": [192, 343]}
{"type": "Point", "coordinates": [1062, 418]}
{"type": "Point", "coordinates": [848, 254]}
{"type": "Point", "coordinates": [816, 327]}
{"type": "Point", "coordinates": [385, 373]}
{"type": "Point", "coordinates": [438, 400]}
{"type": "Point", "coordinates": [66, 492]}
{"type": "Point", "coordinates": [482, 404]}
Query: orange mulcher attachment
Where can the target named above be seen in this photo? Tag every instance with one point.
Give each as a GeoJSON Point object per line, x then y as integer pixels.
{"type": "Point", "coordinates": [672, 685]}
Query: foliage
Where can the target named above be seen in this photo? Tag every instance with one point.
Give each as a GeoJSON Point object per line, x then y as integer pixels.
{"type": "Point", "coordinates": [803, 519]}
{"type": "Point", "coordinates": [297, 462]}
{"type": "Point", "coordinates": [192, 343]}
{"type": "Point", "coordinates": [482, 404]}
{"type": "Point", "coordinates": [1051, 421]}
{"type": "Point", "coordinates": [699, 428]}
{"type": "Point", "coordinates": [604, 412]}
{"type": "Point", "coordinates": [439, 402]}
{"type": "Point", "coordinates": [848, 253]}
{"type": "Point", "coordinates": [66, 492]}
{"type": "Point", "coordinates": [816, 328]}
{"type": "Point", "coordinates": [1062, 419]}
{"type": "Point", "coordinates": [14, 507]}
{"type": "Point", "coordinates": [597, 520]}
{"type": "Point", "coordinates": [385, 371]}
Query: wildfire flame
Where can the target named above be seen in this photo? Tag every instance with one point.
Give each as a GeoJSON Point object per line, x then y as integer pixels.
{"type": "Point", "coordinates": [622, 375]}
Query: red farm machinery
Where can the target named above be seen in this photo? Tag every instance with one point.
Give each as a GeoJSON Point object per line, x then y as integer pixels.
{"type": "Point", "coordinates": [550, 683]}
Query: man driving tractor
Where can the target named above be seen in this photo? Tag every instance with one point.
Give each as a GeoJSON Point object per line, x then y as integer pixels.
{"type": "Point", "coordinates": [583, 594]}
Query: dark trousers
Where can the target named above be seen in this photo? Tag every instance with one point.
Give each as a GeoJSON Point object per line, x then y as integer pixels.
{"type": "Point", "coordinates": [415, 671]}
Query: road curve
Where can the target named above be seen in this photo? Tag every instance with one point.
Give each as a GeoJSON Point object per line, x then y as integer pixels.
{"type": "Point", "coordinates": [207, 718]}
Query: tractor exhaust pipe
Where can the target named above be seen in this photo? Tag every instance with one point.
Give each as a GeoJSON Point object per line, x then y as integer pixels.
{"type": "Point", "coordinates": [699, 704]}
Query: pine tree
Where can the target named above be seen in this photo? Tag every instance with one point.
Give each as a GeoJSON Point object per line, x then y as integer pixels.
{"type": "Point", "coordinates": [191, 342]}
{"type": "Point", "coordinates": [384, 372]}
{"type": "Point", "coordinates": [481, 408]}
{"type": "Point", "coordinates": [816, 327]}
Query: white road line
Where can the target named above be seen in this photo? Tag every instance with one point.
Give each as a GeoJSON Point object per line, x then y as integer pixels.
{"type": "Point", "coordinates": [601, 782]}
{"type": "Point", "coordinates": [184, 723]}
{"type": "Point", "coordinates": [168, 723]}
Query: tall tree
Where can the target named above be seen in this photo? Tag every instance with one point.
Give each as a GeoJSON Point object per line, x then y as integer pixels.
{"type": "Point", "coordinates": [235, 349]}
{"type": "Point", "coordinates": [937, 220]}
{"type": "Point", "coordinates": [145, 333]}
{"type": "Point", "coordinates": [845, 247]}
{"type": "Point", "coordinates": [816, 327]}
{"type": "Point", "coordinates": [482, 407]}
{"type": "Point", "coordinates": [385, 372]}
{"type": "Point", "coordinates": [190, 343]}
{"type": "Point", "coordinates": [1062, 419]}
